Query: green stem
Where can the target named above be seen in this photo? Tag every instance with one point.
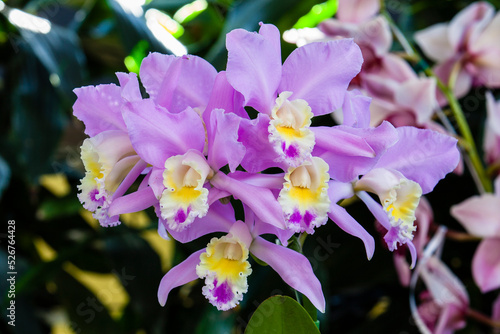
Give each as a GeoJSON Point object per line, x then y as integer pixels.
{"type": "Point", "coordinates": [463, 127]}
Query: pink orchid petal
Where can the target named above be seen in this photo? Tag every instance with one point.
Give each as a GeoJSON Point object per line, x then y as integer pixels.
{"type": "Point", "coordinates": [419, 96]}
{"type": "Point", "coordinates": [356, 109]}
{"type": "Point", "coordinates": [474, 17]}
{"type": "Point", "coordinates": [320, 73]}
{"type": "Point", "coordinates": [134, 202]}
{"type": "Point", "coordinates": [260, 154]}
{"type": "Point", "coordinates": [497, 186]}
{"type": "Point", "coordinates": [357, 11]}
{"type": "Point", "coordinates": [259, 200]}
{"type": "Point", "coordinates": [254, 66]}
{"type": "Point", "coordinates": [479, 215]}
{"type": "Point", "coordinates": [178, 82]}
{"type": "Point", "coordinates": [486, 265]}
{"type": "Point", "coordinates": [108, 116]}
{"type": "Point", "coordinates": [462, 84]}
{"type": "Point", "coordinates": [157, 134]}
{"type": "Point", "coordinates": [344, 220]}
{"type": "Point", "coordinates": [488, 38]}
{"type": "Point", "coordinates": [181, 274]}
{"type": "Point", "coordinates": [346, 167]}
{"type": "Point", "coordinates": [223, 145]}
{"type": "Point", "coordinates": [418, 150]}
{"type": "Point", "coordinates": [293, 267]}
{"type": "Point", "coordinates": [402, 269]}
{"type": "Point", "coordinates": [434, 42]}
{"type": "Point", "coordinates": [270, 181]}
{"type": "Point", "coordinates": [130, 86]}
{"type": "Point", "coordinates": [224, 97]}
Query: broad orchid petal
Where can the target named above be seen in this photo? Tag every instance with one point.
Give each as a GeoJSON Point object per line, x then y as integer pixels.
{"type": "Point", "coordinates": [130, 86]}
{"type": "Point", "coordinates": [346, 167]}
{"type": "Point", "coordinates": [356, 109]}
{"type": "Point", "coordinates": [338, 191]}
{"type": "Point", "coordinates": [99, 108]}
{"type": "Point", "coordinates": [434, 42]}
{"type": "Point", "coordinates": [463, 82]}
{"type": "Point", "coordinates": [419, 96]}
{"type": "Point", "coordinates": [259, 200]}
{"type": "Point", "coordinates": [474, 17]}
{"type": "Point", "coordinates": [157, 134]}
{"type": "Point", "coordinates": [422, 150]}
{"type": "Point", "coordinates": [479, 215]}
{"type": "Point", "coordinates": [181, 274]}
{"type": "Point", "coordinates": [346, 222]}
{"type": "Point", "coordinates": [293, 267]}
{"type": "Point", "coordinates": [488, 37]}
{"type": "Point", "coordinates": [270, 181]}
{"type": "Point", "coordinates": [357, 11]}
{"type": "Point", "coordinates": [178, 82]}
{"type": "Point", "coordinates": [223, 145]}
{"type": "Point", "coordinates": [224, 97]}
{"type": "Point", "coordinates": [260, 154]}
{"type": "Point", "coordinates": [319, 73]}
{"type": "Point", "coordinates": [486, 265]}
{"type": "Point", "coordinates": [254, 66]}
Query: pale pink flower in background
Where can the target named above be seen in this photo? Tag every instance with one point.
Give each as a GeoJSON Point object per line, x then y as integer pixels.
{"type": "Point", "coordinates": [466, 50]}
{"type": "Point", "coordinates": [480, 216]}
{"type": "Point", "coordinates": [445, 303]}
{"type": "Point", "coordinates": [492, 130]}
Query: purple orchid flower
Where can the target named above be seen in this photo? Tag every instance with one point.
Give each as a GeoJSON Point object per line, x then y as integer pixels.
{"type": "Point", "coordinates": [224, 265]}
{"type": "Point", "coordinates": [187, 148]}
{"type": "Point", "coordinates": [480, 216]}
{"type": "Point", "coordinates": [465, 49]}
{"type": "Point", "coordinates": [110, 161]}
{"type": "Point", "coordinates": [312, 81]}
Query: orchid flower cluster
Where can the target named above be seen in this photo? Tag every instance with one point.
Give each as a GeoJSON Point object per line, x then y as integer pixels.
{"type": "Point", "coordinates": [465, 53]}
{"type": "Point", "coordinates": [198, 139]}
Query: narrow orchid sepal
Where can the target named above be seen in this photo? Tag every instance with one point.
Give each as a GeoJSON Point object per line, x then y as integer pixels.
{"type": "Point", "coordinates": [181, 274]}
{"type": "Point", "coordinates": [293, 267]}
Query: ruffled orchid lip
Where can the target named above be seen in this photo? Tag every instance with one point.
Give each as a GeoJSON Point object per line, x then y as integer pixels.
{"type": "Point", "coordinates": [304, 196]}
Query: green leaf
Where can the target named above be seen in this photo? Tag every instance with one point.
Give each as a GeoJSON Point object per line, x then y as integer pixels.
{"type": "Point", "coordinates": [280, 314]}
{"type": "Point", "coordinates": [317, 14]}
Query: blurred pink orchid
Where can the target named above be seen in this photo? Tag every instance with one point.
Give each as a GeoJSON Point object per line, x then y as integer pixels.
{"type": "Point", "coordinates": [492, 130]}
{"type": "Point", "coordinates": [466, 49]}
{"type": "Point", "coordinates": [446, 302]}
{"type": "Point", "coordinates": [480, 216]}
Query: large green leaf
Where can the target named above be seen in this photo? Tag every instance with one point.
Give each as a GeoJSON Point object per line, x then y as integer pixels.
{"type": "Point", "coordinates": [280, 314]}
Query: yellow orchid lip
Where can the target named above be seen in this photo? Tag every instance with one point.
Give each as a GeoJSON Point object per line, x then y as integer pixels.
{"type": "Point", "coordinates": [184, 197]}
{"type": "Point", "coordinates": [304, 196]}
{"type": "Point", "coordinates": [289, 131]}
{"type": "Point", "coordinates": [225, 267]}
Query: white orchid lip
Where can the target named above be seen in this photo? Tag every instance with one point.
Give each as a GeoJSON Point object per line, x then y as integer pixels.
{"type": "Point", "coordinates": [399, 197]}
{"type": "Point", "coordinates": [107, 157]}
{"type": "Point", "coordinates": [225, 267]}
{"type": "Point", "coordinates": [289, 131]}
{"type": "Point", "coordinates": [184, 197]}
{"type": "Point", "coordinates": [304, 196]}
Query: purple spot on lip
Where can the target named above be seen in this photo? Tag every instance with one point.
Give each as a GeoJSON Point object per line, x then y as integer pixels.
{"type": "Point", "coordinates": [222, 293]}
{"type": "Point", "coordinates": [292, 151]}
{"type": "Point", "coordinates": [308, 218]}
{"type": "Point", "coordinates": [180, 216]}
{"type": "Point", "coordinates": [93, 195]}
{"type": "Point", "coordinates": [295, 217]}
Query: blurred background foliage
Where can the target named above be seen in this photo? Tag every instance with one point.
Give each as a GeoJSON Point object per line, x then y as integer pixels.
{"type": "Point", "coordinates": [76, 277]}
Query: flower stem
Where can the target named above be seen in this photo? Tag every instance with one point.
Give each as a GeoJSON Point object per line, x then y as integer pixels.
{"type": "Point", "coordinates": [478, 316]}
{"type": "Point", "coordinates": [463, 127]}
